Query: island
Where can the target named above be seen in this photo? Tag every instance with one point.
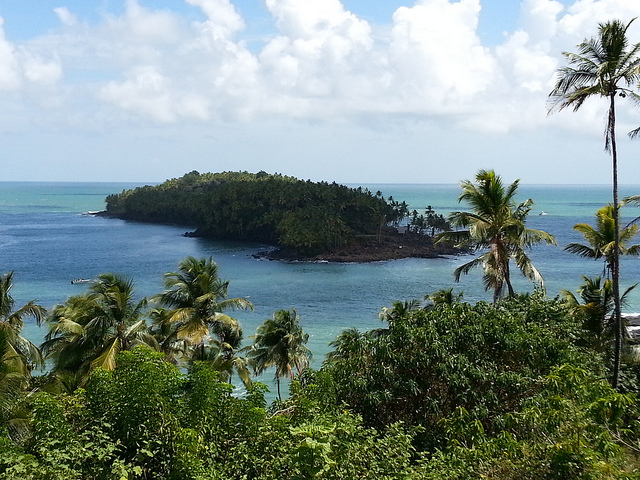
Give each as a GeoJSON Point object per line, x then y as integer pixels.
{"type": "Point", "coordinates": [301, 219]}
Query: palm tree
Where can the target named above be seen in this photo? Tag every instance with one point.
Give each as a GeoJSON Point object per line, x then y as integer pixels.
{"type": "Point", "coordinates": [89, 330]}
{"type": "Point", "coordinates": [14, 378]}
{"type": "Point", "coordinates": [496, 224]}
{"type": "Point", "coordinates": [606, 66]}
{"type": "Point", "coordinates": [224, 358]}
{"type": "Point", "coordinates": [280, 342]}
{"type": "Point", "coordinates": [165, 333]}
{"type": "Point", "coordinates": [17, 350]}
{"type": "Point", "coordinates": [196, 297]}
{"type": "Point", "coordinates": [601, 239]}
{"type": "Point", "coordinates": [596, 311]}
{"type": "Point", "coordinates": [349, 343]}
{"type": "Point", "coordinates": [444, 296]}
{"type": "Point", "coordinates": [398, 310]}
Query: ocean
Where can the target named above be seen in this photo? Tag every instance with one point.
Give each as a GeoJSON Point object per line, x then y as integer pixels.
{"type": "Point", "coordinates": [48, 240]}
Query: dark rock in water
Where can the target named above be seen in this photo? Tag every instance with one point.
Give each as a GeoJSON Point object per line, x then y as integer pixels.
{"type": "Point", "coordinates": [372, 249]}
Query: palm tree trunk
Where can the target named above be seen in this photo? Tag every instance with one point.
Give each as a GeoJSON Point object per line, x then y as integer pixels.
{"type": "Point", "coordinates": [278, 383]}
{"type": "Point", "coordinates": [615, 273]}
{"type": "Point", "coordinates": [507, 279]}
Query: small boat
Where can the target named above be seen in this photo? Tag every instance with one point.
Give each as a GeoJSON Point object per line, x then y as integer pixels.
{"type": "Point", "coordinates": [80, 280]}
{"type": "Point", "coordinates": [543, 213]}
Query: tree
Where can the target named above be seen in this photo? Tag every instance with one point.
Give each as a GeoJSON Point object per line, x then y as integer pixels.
{"type": "Point", "coordinates": [398, 310]}
{"type": "Point", "coordinates": [606, 66]}
{"type": "Point", "coordinates": [444, 297]}
{"type": "Point", "coordinates": [223, 357]}
{"type": "Point", "coordinates": [484, 358]}
{"type": "Point", "coordinates": [18, 353]}
{"type": "Point", "coordinates": [496, 224]}
{"type": "Point", "coordinates": [89, 330]}
{"type": "Point", "coordinates": [197, 296]}
{"type": "Point", "coordinates": [601, 239]}
{"type": "Point", "coordinates": [280, 342]}
{"type": "Point", "coordinates": [596, 310]}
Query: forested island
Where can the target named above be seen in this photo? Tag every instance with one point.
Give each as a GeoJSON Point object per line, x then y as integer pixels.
{"type": "Point", "coordinates": [303, 219]}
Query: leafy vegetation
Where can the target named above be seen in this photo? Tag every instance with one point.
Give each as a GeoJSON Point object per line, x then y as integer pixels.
{"type": "Point", "coordinates": [601, 240]}
{"type": "Point", "coordinates": [303, 216]}
{"type": "Point", "coordinates": [280, 343]}
{"type": "Point", "coordinates": [446, 390]}
{"type": "Point", "coordinates": [497, 225]}
{"type": "Point", "coordinates": [606, 66]}
{"type": "Point", "coordinates": [596, 311]}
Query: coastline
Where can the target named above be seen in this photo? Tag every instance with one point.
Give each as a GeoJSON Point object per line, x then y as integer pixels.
{"type": "Point", "coordinates": [372, 249]}
{"type": "Point", "coordinates": [388, 246]}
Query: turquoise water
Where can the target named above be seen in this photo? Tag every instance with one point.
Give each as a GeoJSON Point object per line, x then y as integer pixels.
{"type": "Point", "coordinates": [47, 241]}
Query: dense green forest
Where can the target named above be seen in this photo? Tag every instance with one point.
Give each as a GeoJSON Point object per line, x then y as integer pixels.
{"type": "Point", "coordinates": [306, 217]}
{"type": "Point", "coordinates": [443, 390]}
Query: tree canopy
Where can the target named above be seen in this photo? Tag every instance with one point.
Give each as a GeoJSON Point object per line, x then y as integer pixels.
{"type": "Point", "coordinates": [308, 217]}
{"type": "Point", "coordinates": [496, 224]}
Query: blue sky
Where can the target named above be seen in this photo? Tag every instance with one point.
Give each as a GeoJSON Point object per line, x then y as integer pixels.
{"type": "Point", "coordinates": [426, 91]}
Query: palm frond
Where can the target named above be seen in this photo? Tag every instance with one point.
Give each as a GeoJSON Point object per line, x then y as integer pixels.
{"type": "Point", "coordinates": [107, 358]}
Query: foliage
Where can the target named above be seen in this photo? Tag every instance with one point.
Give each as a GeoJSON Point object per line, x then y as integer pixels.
{"type": "Point", "coordinates": [601, 239]}
{"type": "Point", "coordinates": [497, 224]}
{"type": "Point", "coordinates": [606, 66]}
{"type": "Point", "coordinates": [431, 222]}
{"type": "Point", "coordinates": [89, 330]}
{"type": "Point", "coordinates": [307, 217]}
{"type": "Point", "coordinates": [429, 362]}
{"type": "Point", "coordinates": [280, 342]}
{"type": "Point", "coordinates": [575, 427]}
{"type": "Point", "coordinates": [596, 311]}
{"type": "Point", "coordinates": [146, 420]}
{"type": "Point", "coordinates": [196, 297]}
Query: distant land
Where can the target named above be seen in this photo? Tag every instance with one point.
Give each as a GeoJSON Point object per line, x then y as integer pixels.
{"type": "Point", "coordinates": [302, 220]}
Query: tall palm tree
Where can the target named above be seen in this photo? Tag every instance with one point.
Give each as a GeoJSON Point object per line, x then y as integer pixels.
{"type": "Point", "coordinates": [196, 298]}
{"type": "Point", "coordinates": [601, 239]}
{"type": "Point", "coordinates": [89, 330]}
{"type": "Point", "coordinates": [498, 225]}
{"type": "Point", "coordinates": [280, 342]}
{"type": "Point", "coordinates": [606, 66]}
{"type": "Point", "coordinates": [18, 351]}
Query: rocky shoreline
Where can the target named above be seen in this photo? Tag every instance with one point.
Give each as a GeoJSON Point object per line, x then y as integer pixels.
{"type": "Point", "coordinates": [389, 246]}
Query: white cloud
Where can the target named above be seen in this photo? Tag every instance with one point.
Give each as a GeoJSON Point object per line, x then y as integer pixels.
{"type": "Point", "coordinates": [437, 58]}
{"type": "Point", "coordinates": [65, 16]}
{"type": "Point", "coordinates": [140, 26]}
{"type": "Point", "coordinates": [539, 18]}
{"type": "Point", "coordinates": [224, 21]}
{"type": "Point", "coordinates": [41, 71]}
{"type": "Point", "coordinates": [146, 92]}
{"type": "Point", "coordinates": [9, 69]}
{"type": "Point", "coordinates": [20, 67]}
{"type": "Point", "coordinates": [323, 64]}
{"type": "Point", "coordinates": [583, 15]}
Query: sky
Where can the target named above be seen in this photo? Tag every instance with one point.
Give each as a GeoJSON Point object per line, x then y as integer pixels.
{"type": "Point", "coordinates": [353, 91]}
